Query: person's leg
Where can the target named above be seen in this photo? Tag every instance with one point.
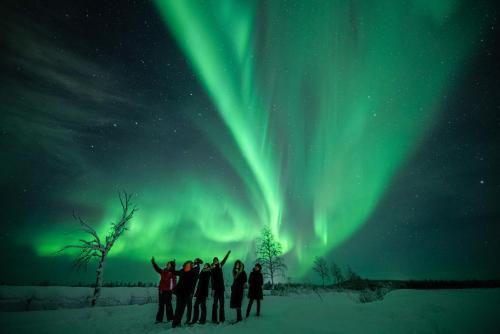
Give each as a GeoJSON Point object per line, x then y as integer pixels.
{"type": "Point", "coordinates": [161, 306]}
{"type": "Point", "coordinates": [214, 307]}
{"type": "Point", "coordinates": [168, 303]}
{"type": "Point", "coordinates": [179, 310]}
{"type": "Point", "coordinates": [249, 307]}
{"type": "Point", "coordinates": [196, 311]}
{"type": "Point", "coordinates": [258, 307]}
{"type": "Point", "coordinates": [238, 314]}
{"type": "Point", "coordinates": [203, 305]}
{"type": "Point", "coordinates": [189, 307]}
{"type": "Point", "coordinates": [222, 314]}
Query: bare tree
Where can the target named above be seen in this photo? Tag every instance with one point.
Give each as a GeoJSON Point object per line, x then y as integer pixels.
{"type": "Point", "coordinates": [94, 248]}
{"type": "Point", "coordinates": [337, 275]}
{"type": "Point", "coordinates": [321, 267]}
{"type": "Point", "coordinates": [351, 274]}
{"type": "Point", "coordinates": [269, 252]}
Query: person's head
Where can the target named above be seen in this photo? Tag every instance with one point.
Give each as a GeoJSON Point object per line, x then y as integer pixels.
{"type": "Point", "coordinates": [170, 265]}
{"type": "Point", "coordinates": [206, 266]}
{"type": "Point", "coordinates": [198, 261]}
{"type": "Point", "coordinates": [187, 266]}
{"type": "Point", "coordinates": [215, 262]}
{"type": "Point", "coordinates": [257, 267]}
{"type": "Point", "coordinates": [238, 266]}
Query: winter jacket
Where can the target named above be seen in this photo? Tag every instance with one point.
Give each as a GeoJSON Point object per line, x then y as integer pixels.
{"type": "Point", "coordinates": [186, 284]}
{"type": "Point", "coordinates": [167, 278]}
{"type": "Point", "coordinates": [217, 275]}
{"type": "Point", "coordinates": [203, 280]}
{"type": "Point", "coordinates": [255, 282]}
{"type": "Point", "coordinates": [237, 289]}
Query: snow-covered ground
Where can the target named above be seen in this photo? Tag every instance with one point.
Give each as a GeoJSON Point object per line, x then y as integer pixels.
{"type": "Point", "coordinates": [402, 311]}
{"type": "Point", "coordinates": [30, 298]}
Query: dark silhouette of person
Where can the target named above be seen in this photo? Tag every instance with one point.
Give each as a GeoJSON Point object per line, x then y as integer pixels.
{"type": "Point", "coordinates": [184, 288]}
{"type": "Point", "coordinates": [237, 289]}
{"type": "Point", "coordinates": [189, 304]}
{"type": "Point", "coordinates": [165, 288]}
{"type": "Point", "coordinates": [255, 282]}
{"type": "Point", "coordinates": [201, 295]}
{"type": "Point", "coordinates": [217, 279]}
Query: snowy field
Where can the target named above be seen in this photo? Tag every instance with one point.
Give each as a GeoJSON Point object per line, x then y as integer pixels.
{"type": "Point", "coordinates": [402, 311]}
{"type": "Point", "coordinates": [35, 298]}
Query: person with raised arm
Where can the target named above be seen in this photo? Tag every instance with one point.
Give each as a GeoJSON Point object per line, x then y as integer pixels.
{"type": "Point", "coordinates": [183, 290]}
{"type": "Point", "coordinates": [189, 303]}
{"type": "Point", "coordinates": [217, 279]}
{"type": "Point", "coordinates": [165, 288]}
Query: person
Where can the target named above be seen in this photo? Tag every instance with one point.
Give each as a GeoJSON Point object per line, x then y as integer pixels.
{"type": "Point", "coordinates": [237, 289]}
{"type": "Point", "coordinates": [201, 295]}
{"type": "Point", "coordinates": [184, 288]}
{"type": "Point", "coordinates": [217, 280]}
{"type": "Point", "coordinates": [255, 282]}
{"type": "Point", "coordinates": [189, 303]}
{"type": "Point", "coordinates": [165, 288]}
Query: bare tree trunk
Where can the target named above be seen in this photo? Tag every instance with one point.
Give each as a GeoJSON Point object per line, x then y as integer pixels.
{"type": "Point", "coordinates": [94, 248]}
{"type": "Point", "coordinates": [272, 278]}
{"type": "Point", "coordinates": [98, 282]}
{"type": "Point", "coordinates": [271, 269]}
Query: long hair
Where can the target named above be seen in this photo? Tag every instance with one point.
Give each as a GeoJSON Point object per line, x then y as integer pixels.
{"type": "Point", "coordinates": [235, 273]}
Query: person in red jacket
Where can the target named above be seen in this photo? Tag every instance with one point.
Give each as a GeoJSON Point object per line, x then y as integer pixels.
{"type": "Point", "coordinates": [167, 285]}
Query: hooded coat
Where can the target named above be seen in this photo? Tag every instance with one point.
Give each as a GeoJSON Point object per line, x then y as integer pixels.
{"type": "Point", "coordinates": [255, 282]}
{"type": "Point", "coordinates": [237, 289]}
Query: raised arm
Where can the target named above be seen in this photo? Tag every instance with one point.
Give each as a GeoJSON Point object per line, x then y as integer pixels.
{"type": "Point", "coordinates": [225, 259]}
{"type": "Point", "coordinates": [157, 268]}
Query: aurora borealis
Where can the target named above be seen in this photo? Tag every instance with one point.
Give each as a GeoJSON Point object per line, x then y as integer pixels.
{"type": "Point", "coordinates": [365, 132]}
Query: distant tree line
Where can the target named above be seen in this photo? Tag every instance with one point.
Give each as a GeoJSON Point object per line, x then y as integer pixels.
{"type": "Point", "coordinates": [349, 279]}
{"type": "Point", "coordinates": [332, 272]}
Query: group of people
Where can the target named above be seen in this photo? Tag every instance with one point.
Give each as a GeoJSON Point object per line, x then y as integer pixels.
{"type": "Point", "coordinates": [193, 281]}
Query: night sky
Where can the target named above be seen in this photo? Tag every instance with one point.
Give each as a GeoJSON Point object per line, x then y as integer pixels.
{"type": "Point", "coordinates": [365, 132]}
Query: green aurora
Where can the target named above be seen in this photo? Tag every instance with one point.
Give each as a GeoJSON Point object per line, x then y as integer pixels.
{"type": "Point", "coordinates": [321, 103]}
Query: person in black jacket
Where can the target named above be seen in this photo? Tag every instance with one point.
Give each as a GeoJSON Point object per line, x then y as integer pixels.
{"type": "Point", "coordinates": [255, 282]}
{"type": "Point", "coordinates": [201, 295]}
{"type": "Point", "coordinates": [189, 302]}
{"type": "Point", "coordinates": [184, 288]}
{"type": "Point", "coordinates": [239, 280]}
{"type": "Point", "coordinates": [217, 279]}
